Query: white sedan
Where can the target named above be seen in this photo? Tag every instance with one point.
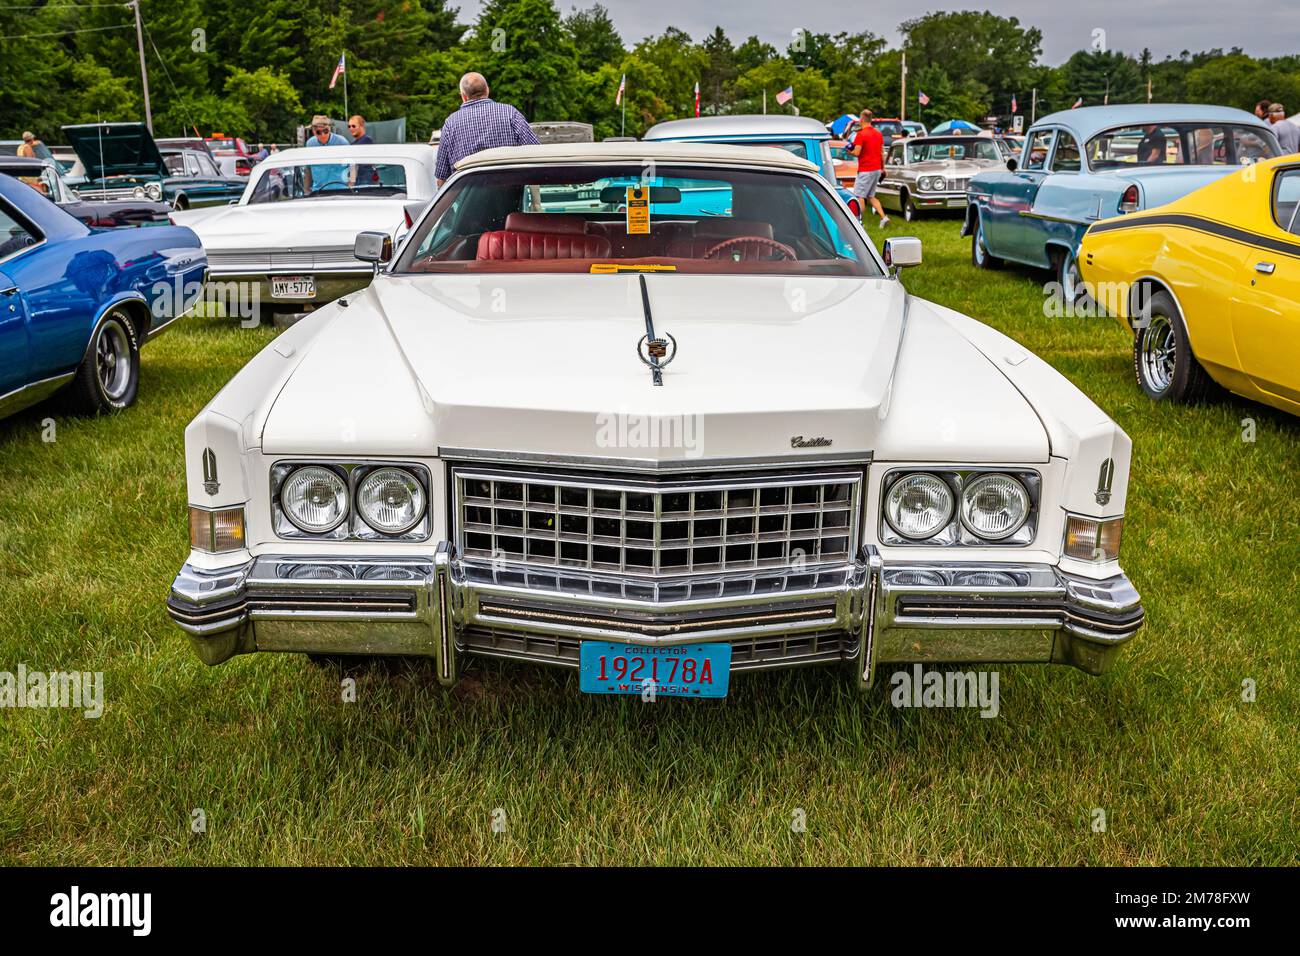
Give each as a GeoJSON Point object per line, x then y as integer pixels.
{"type": "Point", "coordinates": [701, 430]}
{"type": "Point", "coordinates": [293, 229]}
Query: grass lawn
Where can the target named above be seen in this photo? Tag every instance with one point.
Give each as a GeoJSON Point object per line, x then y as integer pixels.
{"type": "Point", "coordinates": [92, 530]}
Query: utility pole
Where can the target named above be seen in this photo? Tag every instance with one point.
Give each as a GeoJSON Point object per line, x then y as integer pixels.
{"type": "Point", "coordinates": [902, 104]}
{"type": "Point", "coordinates": [144, 74]}
{"type": "Point", "coordinates": [1033, 107]}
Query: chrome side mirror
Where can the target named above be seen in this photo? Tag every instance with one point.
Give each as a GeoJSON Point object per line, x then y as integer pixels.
{"type": "Point", "coordinates": [373, 247]}
{"type": "Point", "coordinates": [902, 252]}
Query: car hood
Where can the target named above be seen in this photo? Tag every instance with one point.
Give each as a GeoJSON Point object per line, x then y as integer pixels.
{"type": "Point", "coordinates": [1162, 184]}
{"type": "Point", "coordinates": [767, 366]}
{"type": "Point", "coordinates": [116, 149]}
{"type": "Point", "coordinates": [311, 223]}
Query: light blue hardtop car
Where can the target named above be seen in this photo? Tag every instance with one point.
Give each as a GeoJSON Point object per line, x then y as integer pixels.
{"type": "Point", "coordinates": [804, 137]}
{"type": "Point", "coordinates": [1081, 165]}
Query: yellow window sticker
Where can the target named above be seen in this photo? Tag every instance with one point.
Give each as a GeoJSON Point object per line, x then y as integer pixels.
{"type": "Point", "coordinates": [638, 210]}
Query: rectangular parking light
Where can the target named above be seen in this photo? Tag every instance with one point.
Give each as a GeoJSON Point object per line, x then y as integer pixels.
{"type": "Point", "coordinates": [1093, 539]}
{"type": "Point", "coordinates": [216, 531]}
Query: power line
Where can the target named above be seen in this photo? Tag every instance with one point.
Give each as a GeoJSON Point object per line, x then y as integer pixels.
{"type": "Point", "coordinates": [61, 33]}
{"type": "Point", "coordinates": [167, 73]}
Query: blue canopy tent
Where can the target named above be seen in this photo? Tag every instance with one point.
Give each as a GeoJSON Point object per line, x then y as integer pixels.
{"type": "Point", "coordinates": [838, 125]}
{"type": "Point", "coordinates": [953, 126]}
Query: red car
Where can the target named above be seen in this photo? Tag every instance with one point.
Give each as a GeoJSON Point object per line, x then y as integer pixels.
{"type": "Point", "coordinates": [223, 146]}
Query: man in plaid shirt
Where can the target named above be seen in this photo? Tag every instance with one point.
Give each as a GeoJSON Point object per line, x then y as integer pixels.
{"type": "Point", "coordinates": [480, 123]}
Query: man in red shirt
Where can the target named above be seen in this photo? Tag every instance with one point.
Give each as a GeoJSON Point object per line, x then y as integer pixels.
{"type": "Point", "coordinates": [869, 147]}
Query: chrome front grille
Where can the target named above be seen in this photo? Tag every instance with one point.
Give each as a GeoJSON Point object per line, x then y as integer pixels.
{"type": "Point", "coordinates": [656, 528]}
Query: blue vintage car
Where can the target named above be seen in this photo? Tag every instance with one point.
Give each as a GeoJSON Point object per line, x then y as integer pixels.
{"type": "Point", "coordinates": [806, 138]}
{"type": "Point", "coordinates": [1079, 166]}
{"type": "Point", "coordinates": [77, 304]}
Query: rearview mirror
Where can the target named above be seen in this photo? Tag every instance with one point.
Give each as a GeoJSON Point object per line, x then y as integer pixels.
{"type": "Point", "coordinates": [901, 252]}
{"type": "Point", "coordinates": [373, 247]}
{"type": "Point", "coordinates": [611, 195]}
{"type": "Point", "coordinates": [1012, 165]}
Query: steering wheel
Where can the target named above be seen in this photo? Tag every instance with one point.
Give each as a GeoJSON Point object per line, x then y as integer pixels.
{"type": "Point", "coordinates": [754, 245]}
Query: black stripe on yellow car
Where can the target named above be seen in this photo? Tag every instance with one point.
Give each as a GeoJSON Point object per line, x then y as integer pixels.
{"type": "Point", "coordinates": [1203, 225]}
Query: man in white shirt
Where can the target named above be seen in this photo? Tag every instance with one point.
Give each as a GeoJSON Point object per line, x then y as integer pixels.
{"type": "Point", "coordinates": [1288, 134]}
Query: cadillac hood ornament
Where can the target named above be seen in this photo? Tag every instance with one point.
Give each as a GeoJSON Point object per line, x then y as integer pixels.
{"type": "Point", "coordinates": [651, 349]}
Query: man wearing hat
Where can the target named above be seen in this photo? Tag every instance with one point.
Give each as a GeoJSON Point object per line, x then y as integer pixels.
{"type": "Point", "coordinates": [1288, 134]}
{"type": "Point", "coordinates": [325, 177]}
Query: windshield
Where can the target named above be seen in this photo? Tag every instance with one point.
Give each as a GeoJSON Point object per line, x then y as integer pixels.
{"type": "Point", "coordinates": [330, 180]}
{"type": "Point", "coordinates": [959, 147]}
{"type": "Point", "coordinates": [1180, 144]}
{"type": "Point", "coordinates": [687, 219]}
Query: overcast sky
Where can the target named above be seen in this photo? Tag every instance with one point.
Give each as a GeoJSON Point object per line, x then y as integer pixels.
{"type": "Point", "coordinates": [1261, 28]}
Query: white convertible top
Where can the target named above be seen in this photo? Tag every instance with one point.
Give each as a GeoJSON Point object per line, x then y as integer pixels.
{"type": "Point", "coordinates": [711, 153]}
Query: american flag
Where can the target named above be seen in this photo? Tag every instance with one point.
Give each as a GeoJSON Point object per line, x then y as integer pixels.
{"type": "Point", "coordinates": [697, 97]}
{"type": "Point", "coordinates": [785, 96]}
{"type": "Point", "coordinates": [1013, 102]}
{"type": "Point", "coordinates": [922, 98]}
{"type": "Point", "coordinates": [622, 85]}
{"type": "Point", "coordinates": [1077, 103]}
{"type": "Point", "coordinates": [339, 70]}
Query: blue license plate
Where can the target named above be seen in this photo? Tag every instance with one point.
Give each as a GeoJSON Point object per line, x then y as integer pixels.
{"type": "Point", "coordinates": [683, 670]}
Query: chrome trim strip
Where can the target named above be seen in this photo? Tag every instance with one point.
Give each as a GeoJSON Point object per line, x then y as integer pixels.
{"type": "Point", "coordinates": [650, 465]}
{"type": "Point", "coordinates": [1030, 214]}
{"type": "Point", "coordinates": [25, 396]}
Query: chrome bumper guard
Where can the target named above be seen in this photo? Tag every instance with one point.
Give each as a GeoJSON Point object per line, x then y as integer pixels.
{"type": "Point", "coordinates": [863, 613]}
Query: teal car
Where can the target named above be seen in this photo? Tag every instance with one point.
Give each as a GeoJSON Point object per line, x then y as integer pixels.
{"type": "Point", "coordinates": [122, 161]}
{"type": "Point", "coordinates": [1081, 165]}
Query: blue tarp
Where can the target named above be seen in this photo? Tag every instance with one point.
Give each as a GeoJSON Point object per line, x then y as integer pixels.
{"type": "Point", "coordinates": [954, 124]}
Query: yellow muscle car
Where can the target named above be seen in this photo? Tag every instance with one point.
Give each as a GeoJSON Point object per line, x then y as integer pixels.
{"type": "Point", "coordinates": [1210, 286]}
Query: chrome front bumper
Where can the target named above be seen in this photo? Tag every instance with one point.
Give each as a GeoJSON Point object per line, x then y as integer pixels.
{"type": "Point", "coordinates": [863, 614]}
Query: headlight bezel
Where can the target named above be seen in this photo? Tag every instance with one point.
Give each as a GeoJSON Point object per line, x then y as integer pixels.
{"type": "Point", "coordinates": [955, 533]}
{"type": "Point", "coordinates": [354, 527]}
{"type": "Point", "coordinates": [154, 192]}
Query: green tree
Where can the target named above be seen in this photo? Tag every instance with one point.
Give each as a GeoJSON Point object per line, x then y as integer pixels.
{"type": "Point", "coordinates": [527, 56]}
{"type": "Point", "coordinates": [1101, 77]}
{"type": "Point", "coordinates": [594, 37]}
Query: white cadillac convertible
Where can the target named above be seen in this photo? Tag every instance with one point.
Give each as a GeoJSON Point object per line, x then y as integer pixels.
{"type": "Point", "coordinates": [293, 230]}
{"type": "Point", "coordinates": [659, 445]}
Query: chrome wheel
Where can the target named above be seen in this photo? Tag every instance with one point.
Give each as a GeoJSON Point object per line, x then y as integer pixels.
{"type": "Point", "coordinates": [909, 211]}
{"type": "Point", "coordinates": [113, 360]}
{"type": "Point", "coordinates": [1158, 354]}
{"type": "Point", "coordinates": [978, 246]}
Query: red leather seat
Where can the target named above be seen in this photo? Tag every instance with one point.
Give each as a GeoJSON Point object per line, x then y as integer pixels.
{"type": "Point", "coordinates": [504, 244]}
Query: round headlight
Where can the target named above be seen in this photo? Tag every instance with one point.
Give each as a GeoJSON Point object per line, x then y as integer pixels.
{"type": "Point", "coordinates": [994, 506]}
{"type": "Point", "coordinates": [923, 183]}
{"type": "Point", "coordinates": [937, 183]}
{"type": "Point", "coordinates": [919, 506]}
{"type": "Point", "coordinates": [391, 500]}
{"type": "Point", "coordinates": [154, 191]}
{"type": "Point", "coordinates": [315, 499]}
{"type": "Point", "coordinates": [138, 192]}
